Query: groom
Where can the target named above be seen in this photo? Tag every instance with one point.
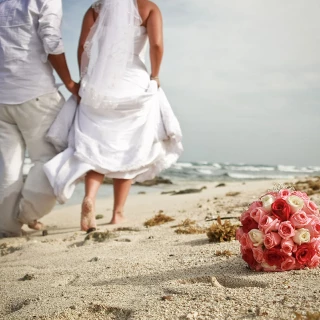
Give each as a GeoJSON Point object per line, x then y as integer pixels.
{"type": "Point", "coordinates": [30, 48]}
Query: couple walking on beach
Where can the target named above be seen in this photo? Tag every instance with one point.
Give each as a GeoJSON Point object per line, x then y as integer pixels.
{"type": "Point", "coordinates": [117, 123]}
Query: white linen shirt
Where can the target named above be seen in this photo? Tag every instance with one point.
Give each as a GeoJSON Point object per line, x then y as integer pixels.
{"type": "Point", "coordinates": [29, 31]}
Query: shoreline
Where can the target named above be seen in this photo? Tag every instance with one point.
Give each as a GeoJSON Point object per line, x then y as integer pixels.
{"type": "Point", "coordinates": [149, 273]}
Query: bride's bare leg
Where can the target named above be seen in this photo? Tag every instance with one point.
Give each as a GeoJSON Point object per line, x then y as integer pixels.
{"type": "Point", "coordinates": [93, 182]}
{"type": "Point", "coordinates": [121, 188]}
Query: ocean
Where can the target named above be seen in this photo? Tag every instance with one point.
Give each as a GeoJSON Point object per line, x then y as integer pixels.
{"type": "Point", "coordinates": [183, 173]}
{"type": "Point", "coordinates": [210, 171]}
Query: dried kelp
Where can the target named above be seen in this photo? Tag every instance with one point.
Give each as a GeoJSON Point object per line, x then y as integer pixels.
{"type": "Point", "coordinates": [189, 226]}
{"type": "Point", "coordinates": [310, 186]}
{"type": "Point", "coordinates": [308, 316]}
{"type": "Point", "coordinates": [158, 219]}
{"type": "Point", "coordinates": [191, 230]}
{"type": "Point", "coordinates": [224, 253]}
{"type": "Point", "coordinates": [232, 193]}
{"type": "Point", "coordinates": [222, 232]}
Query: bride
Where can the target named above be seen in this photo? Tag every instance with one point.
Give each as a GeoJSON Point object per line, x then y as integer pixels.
{"type": "Point", "coordinates": [124, 127]}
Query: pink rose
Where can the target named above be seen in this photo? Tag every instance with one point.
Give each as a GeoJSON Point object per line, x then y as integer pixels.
{"type": "Point", "coordinates": [314, 227]}
{"type": "Point", "coordinates": [316, 244]}
{"type": "Point", "coordinates": [254, 205]}
{"type": "Point", "coordinates": [300, 194]}
{"type": "Point", "coordinates": [271, 240]}
{"type": "Point", "coordinates": [246, 242]}
{"type": "Point", "coordinates": [287, 246]}
{"type": "Point", "coordinates": [257, 213]}
{"type": "Point", "coordinates": [299, 219]}
{"type": "Point", "coordinates": [284, 194]}
{"type": "Point", "coordinates": [258, 254]}
{"type": "Point", "coordinates": [286, 230]}
{"type": "Point", "coordinates": [315, 261]}
{"type": "Point", "coordinates": [239, 233]}
{"type": "Point", "coordinates": [288, 264]}
{"type": "Point", "coordinates": [268, 224]}
{"type": "Point", "coordinates": [310, 208]}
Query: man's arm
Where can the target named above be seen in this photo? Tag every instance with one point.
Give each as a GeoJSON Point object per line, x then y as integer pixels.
{"type": "Point", "coordinates": [49, 30]}
{"type": "Point", "coordinates": [59, 64]}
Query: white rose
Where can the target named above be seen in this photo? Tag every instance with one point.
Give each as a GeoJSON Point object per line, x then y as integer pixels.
{"type": "Point", "coordinates": [267, 267]}
{"type": "Point", "coordinates": [267, 201]}
{"type": "Point", "coordinates": [256, 236]}
{"type": "Point", "coordinates": [301, 236]}
{"type": "Point", "coordinates": [296, 203]}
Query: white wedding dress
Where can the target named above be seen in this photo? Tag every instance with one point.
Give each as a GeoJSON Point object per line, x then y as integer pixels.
{"type": "Point", "coordinates": [136, 136]}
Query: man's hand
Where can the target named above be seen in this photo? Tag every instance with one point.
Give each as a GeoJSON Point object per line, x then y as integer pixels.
{"type": "Point", "coordinates": [59, 63]}
{"type": "Point", "coordinates": [74, 88]}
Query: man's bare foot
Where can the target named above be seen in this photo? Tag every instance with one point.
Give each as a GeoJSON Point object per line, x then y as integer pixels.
{"type": "Point", "coordinates": [88, 219]}
{"type": "Point", "coordinates": [36, 225]}
{"type": "Point", "coordinates": [117, 218]}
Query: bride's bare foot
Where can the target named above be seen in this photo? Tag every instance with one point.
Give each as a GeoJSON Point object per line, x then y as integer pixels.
{"type": "Point", "coordinates": [117, 218]}
{"type": "Point", "coordinates": [88, 219]}
{"type": "Point", "coordinates": [36, 225]}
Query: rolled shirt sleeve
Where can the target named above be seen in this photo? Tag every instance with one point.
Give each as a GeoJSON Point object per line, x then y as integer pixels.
{"type": "Point", "coordinates": [50, 19]}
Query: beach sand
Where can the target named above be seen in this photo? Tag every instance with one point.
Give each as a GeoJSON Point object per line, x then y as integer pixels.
{"type": "Point", "coordinates": [148, 273]}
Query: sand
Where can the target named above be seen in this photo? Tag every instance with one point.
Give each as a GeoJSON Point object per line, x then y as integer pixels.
{"type": "Point", "coordinates": [148, 273]}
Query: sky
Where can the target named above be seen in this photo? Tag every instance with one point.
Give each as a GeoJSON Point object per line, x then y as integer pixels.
{"type": "Point", "coordinates": [243, 77]}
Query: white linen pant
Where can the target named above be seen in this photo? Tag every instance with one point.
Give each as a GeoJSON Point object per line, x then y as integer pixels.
{"type": "Point", "coordinates": [23, 127]}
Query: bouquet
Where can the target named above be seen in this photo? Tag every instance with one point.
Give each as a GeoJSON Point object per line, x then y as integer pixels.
{"type": "Point", "coordinates": [280, 232]}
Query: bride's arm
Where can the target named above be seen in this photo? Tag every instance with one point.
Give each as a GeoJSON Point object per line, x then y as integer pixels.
{"type": "Point", "coordinates": [155, 34]}
{"type": "Point", "coordinates": [88, 22]}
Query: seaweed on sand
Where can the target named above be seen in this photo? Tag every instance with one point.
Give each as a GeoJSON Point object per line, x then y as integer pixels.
{"type": "Point", "coordinates": [222, 232]}
{"type": "Point", "coordinates": [189, 226]}
{"type": "Point", "coordinates": [158, 219]}
{"type": "Point", "coordinates": [100, 236]}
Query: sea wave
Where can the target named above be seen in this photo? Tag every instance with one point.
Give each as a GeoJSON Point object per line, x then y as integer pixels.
{"type": "Point", "coordinates": [295, 169]}
{"type": "Point", "coordinates": [205, 171]}
{"type": "Point", "coordinates": [244, 176]}
{"type": "Point", "coordinates": [250, 168]}
{"type": "Point", "coordinates": [213, 171]}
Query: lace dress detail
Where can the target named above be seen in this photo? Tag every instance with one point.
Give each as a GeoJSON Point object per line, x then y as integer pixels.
{"type": "Point", "coordinates": [97, 6]}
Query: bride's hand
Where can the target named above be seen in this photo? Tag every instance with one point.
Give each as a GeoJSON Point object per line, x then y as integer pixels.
{"type": "Point", "coordinates": [156, 79]}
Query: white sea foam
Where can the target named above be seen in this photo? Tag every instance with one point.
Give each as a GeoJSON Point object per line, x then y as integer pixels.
{"type": "Point", "coordinates": [216, 165]}
{"type": "Point", "coordinates": [183, 165]}
{"type": "Point", "coordinates": [205, 171]}
{"type": "Point", "coordinates": [257, 176]}
{"type": "Point", "coordinates": [294, 169]}
{"type": "Point", "coordinates": [249, 168]}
